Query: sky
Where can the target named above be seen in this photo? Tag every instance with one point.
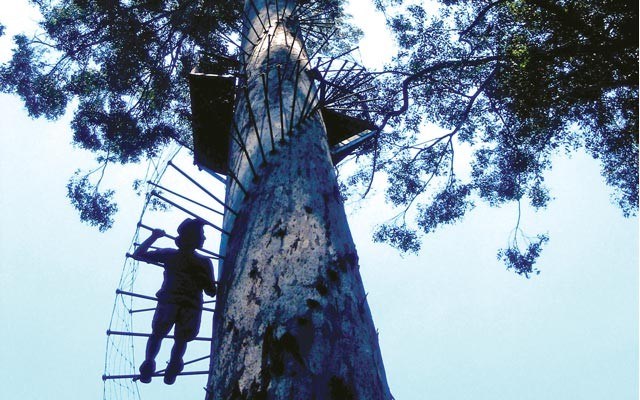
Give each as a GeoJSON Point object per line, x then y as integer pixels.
{"type": "Point", "coordinates": [453, 323]}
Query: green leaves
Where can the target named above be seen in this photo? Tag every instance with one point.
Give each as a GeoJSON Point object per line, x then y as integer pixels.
{"type": "Point", "coordinates": [523, 261]}
{"type": "Point", "coordinates": [41, 92]}
{"type": "Point", "coordinates": [125, 63]}
{"type": "Point", "coordinates": [518, 81]}
{"type": "Point", "coordinates": [96, 208]}
{"type": "Point", "coordinates": [400, 237]}
{"type": "Point", "coordinates": [447, 207]}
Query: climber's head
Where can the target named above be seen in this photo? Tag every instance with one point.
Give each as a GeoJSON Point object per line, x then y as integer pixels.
{"type": "Point", "coordinates": [190, 234]}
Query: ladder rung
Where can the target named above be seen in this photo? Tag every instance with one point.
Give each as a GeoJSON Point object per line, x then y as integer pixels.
{"type": "Point", "coordinates": [137, 376]}
{"type": "Point", "coordinates": [137, 334]}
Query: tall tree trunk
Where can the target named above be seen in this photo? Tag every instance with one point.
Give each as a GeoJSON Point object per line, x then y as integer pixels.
{"type": "Point", "coordinates": [292, 320]}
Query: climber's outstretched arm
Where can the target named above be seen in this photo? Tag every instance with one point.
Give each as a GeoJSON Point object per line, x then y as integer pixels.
{"type": "Point", "coordinates": [142, 253]}
{"type": "Point", "coordinates": [210, 287]}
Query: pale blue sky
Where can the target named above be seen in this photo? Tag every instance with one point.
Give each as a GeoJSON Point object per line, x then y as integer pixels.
{"type": "Point", "coordinates": [454, 325]}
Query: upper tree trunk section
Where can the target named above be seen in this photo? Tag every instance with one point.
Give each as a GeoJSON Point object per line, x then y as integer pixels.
{"type": "Point", "coordinates": [292, 321]}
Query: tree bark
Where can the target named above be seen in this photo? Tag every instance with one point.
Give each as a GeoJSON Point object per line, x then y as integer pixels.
{"type": "Point", "coordinates": [292, 320]}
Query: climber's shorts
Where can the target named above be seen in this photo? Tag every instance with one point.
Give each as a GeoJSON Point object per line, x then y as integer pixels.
{"type": "Point", "coordinates": [186, 320]}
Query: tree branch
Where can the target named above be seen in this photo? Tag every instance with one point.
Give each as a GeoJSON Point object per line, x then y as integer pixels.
{"type": "Point", "coordinates": [405, 98]}
{"type": "Point", "coordinates": [480, 16]}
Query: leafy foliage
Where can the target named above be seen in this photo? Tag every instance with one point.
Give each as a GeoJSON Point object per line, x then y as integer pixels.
{"type": "Point", "coordinates": [126, 65]}
{"type": "Point", "coordinates": [125, 62]}
{"type": "Point", "coordinates": [522, 262]}
{"type": "Point", "coordinates": [517, 81]}
{"type": "Point", "coordinates": [96, 208]}
{"type": "Point", "coordinates": [447, 207]}
{"type": "Point", "coordinates": [399, 237]}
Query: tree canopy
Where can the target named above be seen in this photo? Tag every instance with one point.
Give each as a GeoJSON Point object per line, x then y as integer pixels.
{"type": "Point", "coordinates": [126, 64]}
{"type": "Point", "coordinates": [517, 81]}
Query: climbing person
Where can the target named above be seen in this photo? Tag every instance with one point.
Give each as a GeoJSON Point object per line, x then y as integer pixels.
{"type": "Point", "coordinates": [186, 275]}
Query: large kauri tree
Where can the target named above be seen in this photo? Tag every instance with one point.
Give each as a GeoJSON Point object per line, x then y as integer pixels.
{"type": "Point", "coordinates": [292, 320]}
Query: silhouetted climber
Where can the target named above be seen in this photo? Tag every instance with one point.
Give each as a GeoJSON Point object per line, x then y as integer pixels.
{"type": "Point", "coordinates": [186, 275]}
